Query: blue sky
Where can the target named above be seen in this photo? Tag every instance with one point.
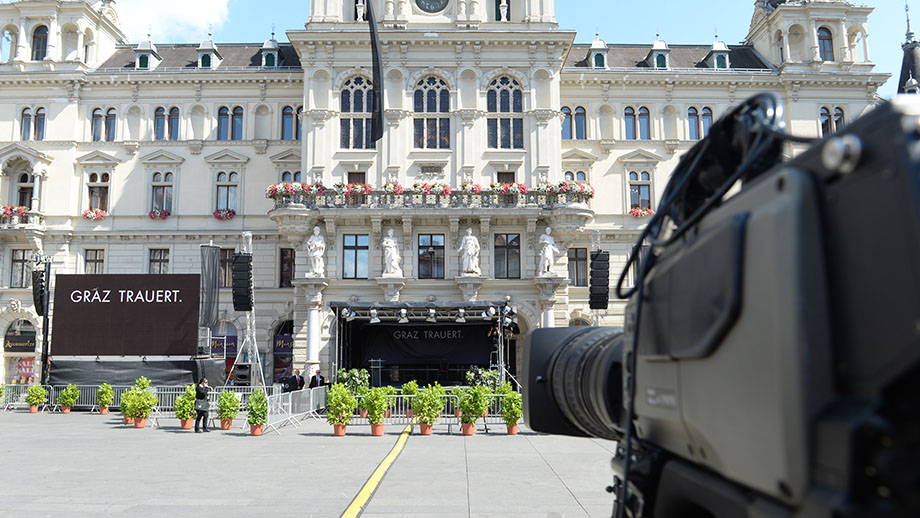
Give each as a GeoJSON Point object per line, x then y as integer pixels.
{"type": "Point", "coordinates": [621, 21]}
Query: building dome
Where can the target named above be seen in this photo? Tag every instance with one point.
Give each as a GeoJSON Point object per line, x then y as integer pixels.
{"type": "Point", "coordinates": [270, 44]}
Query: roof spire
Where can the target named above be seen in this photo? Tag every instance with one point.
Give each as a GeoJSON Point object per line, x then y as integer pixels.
{"type": "Point", "coordinates": [910, 33]}
{"type": "Point", "coordinates": [273, 31]}
{"type": "Point", "coordinates": [210, 30]}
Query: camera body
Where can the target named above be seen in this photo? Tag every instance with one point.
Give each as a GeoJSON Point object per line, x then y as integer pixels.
{"type": "Point", "coordinates": [777, 356]}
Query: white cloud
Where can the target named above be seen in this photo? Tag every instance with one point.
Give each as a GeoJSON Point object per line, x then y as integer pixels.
{"type": "Point", "coordinates": [171, 20]}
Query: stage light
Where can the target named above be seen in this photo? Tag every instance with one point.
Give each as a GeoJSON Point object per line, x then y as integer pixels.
{"type": "Point", "coordinates": [403, 316]}
{"type": "Point", "coordinates": [491, 311]}
{"type": "Point", "coordinates": [351, 316]}
{"type": "Point", "coordinates": [374, 319]}
{"type": "Point", "coordinates": [432, 315]}
{"type": "Point", "coordinates": [344, 312]}
{"type": "Point", "coordinates": [461, 316]}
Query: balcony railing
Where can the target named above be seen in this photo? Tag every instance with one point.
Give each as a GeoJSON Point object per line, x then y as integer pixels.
{"type": "Point", "coordinates": [455, 200]}
{"type": "Point", "coordinates": [14, 221]}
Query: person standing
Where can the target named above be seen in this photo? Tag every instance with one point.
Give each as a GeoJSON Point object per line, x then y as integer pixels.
{"type": "Point", "coordinates": [298, 380]}
{"type": "Point", "coordinates": [201, 404]}
{"type": "Point", "coordinates": [317, 380]}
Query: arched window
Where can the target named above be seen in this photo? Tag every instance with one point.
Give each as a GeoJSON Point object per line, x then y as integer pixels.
{"type": "Point", "coordinates": [205, 61]}
{"type": "Point", "coordinates": [569, 176]}
{"type": "Point", "coordinates": [223, 123]}
{"type": "Point", "coordinates": [237, 124]}
{"type": "Point", "coordinates": [87, 46]}
{"type": "Point", "coordinates": [298, 123]}
{"type": "Point", "coordinates": [98, 187]}
{"type": "Point", "coordinates": [227, 185]}
{"type": "Point", "coordinates": [432, 109]}
{"type": "Point", "coordinates": [693, 123]}
{"type": "Point", "coordinates": [288, 176]}
{"type": "Point", "coordinates": [826, 124]}
{"type": "Point", "coordinates": [39, 124]}
{"type": "Point", "coordinates": [580, 124]}
{"type": "Point", "coordinates": [162, 189]}
{"type": "Point", "coordinates": [24, 190]}
{"type": "Point", "coordinates": [39, 43]}
{"type": "Point", "coordinates": [97, 125]}
{"type": "Point", "coordinates": [707, 121]}
{"type": "Point", "coordinates": [566, 123]}
{"type": "Point", "coordinates": [825, 44]}
{"type": "Point", "coordinates": [159, 124]}
{"type": "Point", "coordinates": [7, 45]}
{"type": "Point", "coordinates": [640, 190]}
{"type": "Point", "coordinates": [357, 105]}
{"type": "Point", "coordinates": [174, 123]}
{"type": "Point", "coordinates": [110, 125]}
{"type": "Point", "coordinates": [580, 176]}
{"type": "Point", "coordinates": [287, 123]}
{"type": "Point", "coordinates": [269, 60]}
{"type": "Point", "coordinates": [778, 43]}
{"type": "Point", "coordinates": [599, 61]}
{"type": "Point", "coordinates": [143, 61]}
{"type": "Point", "coordinates": [505, 104]}
{"type": "Point", "coordinates": [644, 127]}
{"type": "Point", "coordinates": [26, 124]}
{"type": "Point", "coordinates": [661, 61]}
{"type": "Point", "coordinates": [838, 119]}
{"type": "Point", "coordinates": [629, 116]}
{"type": "Point", "coordinates": [721, 61]}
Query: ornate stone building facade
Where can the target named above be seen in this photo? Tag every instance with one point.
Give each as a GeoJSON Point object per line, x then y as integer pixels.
{"type": "Point", "coordinates": [498, 127]}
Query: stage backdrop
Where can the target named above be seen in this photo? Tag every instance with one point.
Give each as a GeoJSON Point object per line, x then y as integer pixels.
{"type": "Point", "coordinates": [125, 315]}
{"type": "Point", "coordinates": [422, 344]}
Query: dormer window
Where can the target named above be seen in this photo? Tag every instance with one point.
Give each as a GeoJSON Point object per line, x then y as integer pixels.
{"type": "Point", "coordinates": [658, 57]}
{"type": "Point", "coordinates": [205, 61]}
{"type": "Point", "coordinates": [146, 57]}
{"type": "Point", "coordinates": [208, 55]}
{"type": "Point", "coordinates": [721, 61]}
{"type": "Point", "coordinates": [270, 53]}
{"type": "Point", "coordinates": [661, 61]}
{"type": "Point", "coordinates": [269, 60]}
{"type": "Point", "coordinates": [143, 62]}
{"type": "Point", "coordinates": [600, 61]}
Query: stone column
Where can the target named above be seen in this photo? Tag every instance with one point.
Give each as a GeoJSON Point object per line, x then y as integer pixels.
{"type": "Point", "coordinates": [844, 43]}
{"type": "Point", "coordinates": [787, 55]}
{"type": "Point", "coordinates": [53, 36]}
{"type": "Point", "coordinates": [813, 40]}
{"type": "Point", "coordinates": [548, 286]}
{"type": "Point", "coordinates": [36, 191]}
{"type": "Point", "coordinates": [22, 45]}
{"type": "Point", "coordinates": [313, 292]}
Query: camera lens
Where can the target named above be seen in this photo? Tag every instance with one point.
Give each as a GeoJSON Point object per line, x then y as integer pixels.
{"type": "Point", "coordinates": [586, 380]}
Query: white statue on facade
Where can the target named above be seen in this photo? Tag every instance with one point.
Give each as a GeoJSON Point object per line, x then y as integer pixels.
{"type": "Point", "coordinates": [469, 254]}
{"type": "Point", "coordinates": [391, 257]}
{"type": "Point", "coordinates": [316, 249]}
{"type": "Point", "coordinates": [547, 254]}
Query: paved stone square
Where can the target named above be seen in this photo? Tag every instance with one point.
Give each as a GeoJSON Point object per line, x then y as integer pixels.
{"type": "Point", "coordinates": [86, 465]}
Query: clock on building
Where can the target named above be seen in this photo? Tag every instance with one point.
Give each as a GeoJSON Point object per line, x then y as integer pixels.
{"type": "Point", "coordinates": [432, 6]}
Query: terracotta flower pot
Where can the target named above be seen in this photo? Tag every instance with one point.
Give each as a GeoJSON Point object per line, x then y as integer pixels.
{"type": "Point", "coordinates": [386, 414]}
{"type": "Point", "coordinates": [512, 429]}
{"type": "Point", "coordinates": [457, 413]}
{"type": "Point", "coordinates": [104, 410]}
{"type": "Point", "coordinates": [377, 430]}
{"type": "Point", "coordinates": [33, 409]}
{"type": "Point", "coordinates": [140, 422]}
{"type": "Point", "coordinates": [256, 429]}
{"type": "Point", "coordinates": [186, 424]}
{"type": "Point", "coordinates": [226, 424]}
{"type": "Point", "coordinates": [468, 428]}
{"type": "Point", "coordinates": [408, 412]}
{"type": "Point", "coordinates": [338, 430]}
{"type": "Point", "coordinates": [424, 429]}
{"type": "Point", "coordinates": [363, 413]}
{"type": "Point", "coordinates": [65, 409]}
{"type": "Point", "coordinates": [486, 413]}
{"type": "Point", "coordinates": [128, 420]}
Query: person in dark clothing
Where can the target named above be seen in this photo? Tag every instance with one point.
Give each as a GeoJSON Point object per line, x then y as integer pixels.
{"type": "Point", "coordinates": [201, 401]}
{"type": "Point", "coordinates": [317, 380]}
{"type": "Point", "coordinates": [298, 380]}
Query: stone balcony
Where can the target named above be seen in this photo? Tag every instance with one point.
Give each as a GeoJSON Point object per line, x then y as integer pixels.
{"type": "Point", "coordinates": [30, 225]}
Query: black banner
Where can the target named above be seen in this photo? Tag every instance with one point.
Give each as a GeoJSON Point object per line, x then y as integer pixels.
{"type": "Point", "coordinates": [427, 344]}
{"type": "Point", "coordinates": [125, 315]}
{"type": "Point", "coordinates": [19, 344]}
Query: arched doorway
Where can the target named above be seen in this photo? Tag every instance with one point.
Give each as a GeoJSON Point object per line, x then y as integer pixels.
{"type": "Point", "coordinates": [283, 350]}
{"type": "Point", "coordinates": [19, 344]}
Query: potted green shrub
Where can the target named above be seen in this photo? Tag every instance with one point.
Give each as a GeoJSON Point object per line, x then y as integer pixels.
{"type": "Point", "coordinates": [360, 394]}
{"type": "Point", "coordinates": [428, 406]}
{"type": "Point", "coordinates": [104, 397]}
{"type": "Point", "coordinates": [125, 406]}
{"type": "Point", "coordinates": [473, 404]}
{"type": "Point", "coordinates": [36, 395]}
{"type": "Point", "coordinates": [257, 407]}
{"type": "Point", "coordinates": [410, 388]}
{"type": "Point", "coordinates": [228, 407]}
{"type": "Point", "coordinates": [142, 403]}
{"type": "Point", "coordinates": [376, 402]}
{"type": "Point", "coordinates": [68, 398]}
{"type": "Point", "coordinates": [185, 408]}
{"type": "Point", "coordinates": [340, 407]}
{"type": "Point", "coordinates": [512, 411]}
{"type": "Point", "coordinates": [457, 393]}
{"type": "Point", "coordinates": [391, 401]}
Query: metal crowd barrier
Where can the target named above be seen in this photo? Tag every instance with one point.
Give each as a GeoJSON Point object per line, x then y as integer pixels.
{"type": "Point", "coordinates": [292, 407]}
{"type": "Point", "coordinates": [399, 405]}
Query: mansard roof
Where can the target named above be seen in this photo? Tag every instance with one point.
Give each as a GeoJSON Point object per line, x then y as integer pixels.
{"type": "Point", "coordinates": [185, 55]}
{"type": "Point", "coordinates": [625, 55]}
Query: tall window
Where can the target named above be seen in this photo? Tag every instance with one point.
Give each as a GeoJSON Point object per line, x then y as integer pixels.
{"type": "Point", "coordinates": [288, 176]}
{"type": "Point", "coordinates": [143, 62]}
{"type": "Point", "coordinates": [110, 125]}
{"type": "Point", "coordinates": [661, 61]}
{"type": "Point", "coordinates": [640, 190]}
{"type": "Point", "coordinates": [26, 124]}
{"type": "Point", "coordinates": [237, 124]}
{"type": "Point", "coordinates": [24, 189]}
{"type": "Point", "coordinates": [431, 256]}
{"type": "Point", "coordinates": [40, 43]}
{"type": "Point", "coordinates": [287, 123]}
{"type": "Point", "coordinates": [829, 124]}
{"type": "Point", "coordinates": [629, 116]}
{"type": "Point", "coordinates": [223, 123]}
{"type": "Point", "coordinates": [699, 124]}
{"type": "Point", "coordinates": [431, 99]}
{"type": "Point", "coordinates": [505, 104]}
{"type": "Point", "coordinates": [578, 266]}
{"type": "Point", "coordinates": [159, 261]}
{"type": "Point", "coordinates": [566, 123]}
{"type": "Point", "coordinates": [99, 191]}
{"type": "Point", "coordinates": [721, 61]}
{"type": "Point", "coordinates": [174, 123]}
{"type": "Point", "coordinates": [706, 120]}
{"type": "Point", "coordinates": [94, 262]}
{"type": "Point", "coordinates": [507, 256]}
{"type": "Point", "coordinates": [162, 191]}
{"type": "Point", "coordinates": [227, 184]}
{"type": "Point", "coordinates": [637, 125]}
{"type": "Point", "coordinates": [159, 124]}
{"type": "Point", "coordinates": [39, 124]}
{"type": "Point", "coordinates": [580, 124]}
{"type": "Point", "coordinates": [572, 176]}
{"type": "Point", "coordinates": [226, 267]}
{"type": "Point", "coordinates": [357, 105]}
{"type": "Point", "coordinates": [825, 44]}
{"type": "Point", "coordinates": [286, 268]}
{"type": "Point", "coordinates": [21, 272]}
{"type": "Point", "coordinates": [644, 132]}
{"type": "Point", "coordinates": [97, 125]}
{"type": "Point", "coordinates": [599, 61]}
{"type": "Point", "coordinates": [355, 256]}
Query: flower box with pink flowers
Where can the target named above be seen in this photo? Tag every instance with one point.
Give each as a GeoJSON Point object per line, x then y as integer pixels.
{"type": "Point", "coordinates": [158, 214]}
{"type": "Point", "coordinates": [94, 214]}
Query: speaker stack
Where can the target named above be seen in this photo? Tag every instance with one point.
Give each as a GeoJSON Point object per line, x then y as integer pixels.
{"type": "Point", "coordinates": [599, 293]}
{"type": "Point", "coordinates": [242, 282]}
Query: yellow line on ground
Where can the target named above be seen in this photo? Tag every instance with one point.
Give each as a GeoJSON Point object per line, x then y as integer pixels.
{"type": "Point", "coordinates": [364, 496]}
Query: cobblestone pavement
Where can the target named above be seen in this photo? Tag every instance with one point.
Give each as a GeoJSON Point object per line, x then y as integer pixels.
{"type": "Point", "coordinates": [87, 465]}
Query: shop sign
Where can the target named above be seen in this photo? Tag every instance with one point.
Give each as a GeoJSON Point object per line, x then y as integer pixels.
{"type": "Point", "coordinates": [19, 344]}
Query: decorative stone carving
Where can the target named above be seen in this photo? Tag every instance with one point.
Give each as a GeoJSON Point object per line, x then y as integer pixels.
{"type": "Point", "coordinates": [469, 254]}
{"type": "Point", "coordinates": [547, 254]}
{"type": "Point", "coordinates": [391, 258]}
{"type": "Point", "coordinates": [316, 248]}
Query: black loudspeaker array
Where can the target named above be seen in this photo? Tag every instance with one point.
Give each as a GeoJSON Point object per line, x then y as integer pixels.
{"type": "Point", "coordinates": [600, 280]}
{"type": "Point", "coordinates": [241, 375]}
{"type": "Point", "coordinates": [242, 282]}
{"type": "Point", "coordinates": [38, 291]}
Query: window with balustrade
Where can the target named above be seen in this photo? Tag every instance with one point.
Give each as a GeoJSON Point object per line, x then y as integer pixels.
{"type": "Point", "coordinates": [356, 105]}
{"type": "Point", "coordinates": [98, 190]}
{"type": "Point", "coordinates": [432, 114]}
{"type": "Point", "coordinates": [505, 120]}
